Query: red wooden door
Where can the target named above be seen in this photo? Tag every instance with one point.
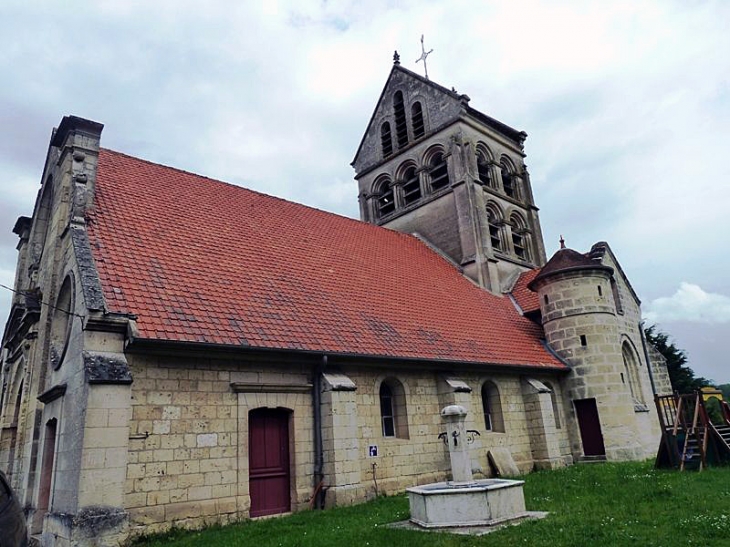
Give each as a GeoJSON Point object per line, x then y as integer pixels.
{"type": "Point", "coordinates": [590, 427]}
{"type": "Point", "coordinates": [268, 460]}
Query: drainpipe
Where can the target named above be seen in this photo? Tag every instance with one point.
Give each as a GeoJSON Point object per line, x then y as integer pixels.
{"type": "Point", "coordinates": [318, 495]}
{"type": "Point", "coordinates": [646, 356]}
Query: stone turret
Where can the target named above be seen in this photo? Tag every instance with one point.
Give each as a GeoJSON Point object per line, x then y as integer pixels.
{"type": "Point", "coordinates": [580, 322]}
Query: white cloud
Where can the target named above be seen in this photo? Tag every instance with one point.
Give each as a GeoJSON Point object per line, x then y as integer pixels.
{"type": "Point", "coordinates": [690, 303]}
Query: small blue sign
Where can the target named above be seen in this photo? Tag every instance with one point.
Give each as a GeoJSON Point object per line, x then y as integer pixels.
{"type": "Point", "coordinates": [373, 450]}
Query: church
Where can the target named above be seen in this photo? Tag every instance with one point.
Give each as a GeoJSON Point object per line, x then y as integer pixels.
{"type": "Point", "coordinates": [182, 351]}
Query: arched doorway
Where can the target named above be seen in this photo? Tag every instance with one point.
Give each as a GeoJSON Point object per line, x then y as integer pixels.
{"type": "Point", "coordinates": [268, 461]}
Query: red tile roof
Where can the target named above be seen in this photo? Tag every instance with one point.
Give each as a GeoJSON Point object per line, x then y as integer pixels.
{"type": "Point", "coordinates": [198, 260]}
{"type": "Point", "coordinates": [526, 299]}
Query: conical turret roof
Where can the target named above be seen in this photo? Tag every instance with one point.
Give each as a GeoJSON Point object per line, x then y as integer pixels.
{"type": "Point", "coordinates": [567, 260]}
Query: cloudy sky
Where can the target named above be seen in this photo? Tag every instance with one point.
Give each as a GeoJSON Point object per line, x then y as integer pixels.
{"type": "Point", "coordinates": [627, 104]}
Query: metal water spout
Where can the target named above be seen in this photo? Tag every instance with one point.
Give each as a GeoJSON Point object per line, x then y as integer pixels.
{"type": "Point", "coordinates": [454, 416]}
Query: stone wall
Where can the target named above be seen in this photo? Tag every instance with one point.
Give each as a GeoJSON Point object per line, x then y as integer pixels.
{"type": "Point", "coordinates": [662, 381]}
{"type": "Point", "coordinates": [628, 316]}
{"type": "Point", "coordinates": [421, 457]}
{"type": "Point", "coordinates": [188, 447]}
{"type": "Point", "coordinates": [188, 459]}
{"type": "Point", "coordinates": [435, 220]}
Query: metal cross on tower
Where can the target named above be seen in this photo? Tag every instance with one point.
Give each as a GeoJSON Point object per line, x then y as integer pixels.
{"type": "Point", "coordinates": [423, 56]}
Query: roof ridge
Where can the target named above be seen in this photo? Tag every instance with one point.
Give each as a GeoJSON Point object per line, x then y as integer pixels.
{"type": "Point", "coordinates": [428, 81]}
{"type": "Point", "coordinates": [257, 192]}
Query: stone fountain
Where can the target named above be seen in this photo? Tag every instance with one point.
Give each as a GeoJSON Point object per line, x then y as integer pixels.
{"type": "Point", "coordinates": [463, 501]}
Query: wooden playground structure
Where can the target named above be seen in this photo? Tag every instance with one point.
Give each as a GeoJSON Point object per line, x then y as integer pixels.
{"type": "Point", "coordinates": [690, 439]}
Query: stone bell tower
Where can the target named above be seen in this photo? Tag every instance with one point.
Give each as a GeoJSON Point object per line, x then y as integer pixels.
{"type": "Point", "coordinates": [431, 165]}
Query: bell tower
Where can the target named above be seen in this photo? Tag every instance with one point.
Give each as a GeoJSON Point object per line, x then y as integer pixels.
{"type": "Point", "coordinates": [431, 165]}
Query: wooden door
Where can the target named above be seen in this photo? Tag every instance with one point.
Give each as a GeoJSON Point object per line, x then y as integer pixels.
{"type": "Point", "coordinates": [590, 427]}
{"type": "Point", "coordinates": [268, 460]}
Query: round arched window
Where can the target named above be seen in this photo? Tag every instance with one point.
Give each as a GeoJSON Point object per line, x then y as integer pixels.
{"type": "Point", "coordinates": [61, 321]}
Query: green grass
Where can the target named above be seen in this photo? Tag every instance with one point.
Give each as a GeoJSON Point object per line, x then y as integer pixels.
{"type": "Point", "coordinates": [598, 504]}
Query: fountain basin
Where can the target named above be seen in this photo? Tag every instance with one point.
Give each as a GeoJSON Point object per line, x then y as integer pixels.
{"type": "Point", "coordinates": [477, 503]}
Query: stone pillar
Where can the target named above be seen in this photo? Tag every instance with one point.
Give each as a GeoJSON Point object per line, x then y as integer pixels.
{"type": "Point", "coordinates": [541, 424]}
{"type": "Point", "coordinates": [454, 416]}
{"type": "Point", "coordinates": [340, 439]}
{"type": "Point", "coordinates": [452, 391]}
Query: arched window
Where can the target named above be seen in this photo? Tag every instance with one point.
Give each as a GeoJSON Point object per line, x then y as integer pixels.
{"type": "Point", "coordinates": [399, 109]}
{"type": "Point", "coordinates": [387, 410]}
{"type": "Point", "coordinates": [632, 372]}
{"type": "Point", "coordinates": [554, 402]}
{"type": "Point", "coordinates": [393, 411]}
{"type": "Point", "coordinates": [384, 198]}
{"type": "Point", "coordinates": [492, 407]}
{"type": "Point", "coordinates": [62, 321]}
{"type": "Point", "coordinates": [386, 139]}
{"type": "Point", "coordinates": [508, 180]}
{"type": "Point", "coordinates": [483, 168]}
{"type": "Point", "coordinates": [411, 186]}
{"type": "Point", "coordinates": [417, 120]}
{"type": "Point", "coordinates": [519, 237]}
{"type": "Point", "coordinates": [494, 219]}
{"type": "Point", "coordinates": [438, 172]}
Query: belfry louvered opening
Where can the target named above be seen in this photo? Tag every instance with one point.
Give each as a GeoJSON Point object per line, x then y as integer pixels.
{"type": "Point", "coordinates": [384, 198]}
{"type": "Point", "coordinates": [417, 120]}
{"type": "Point", "coordinates": [508, 181]}
{"type": "Point", "coordinates": [411, 186]}
{"type": "Point", "coordinates": [483, 170]}
{"type": "Point", "coordinates": [386, 139]}
{"type": "Point", "coordinates": [399, 109]}
{"type": "Point", "coordinates": [439, 172]}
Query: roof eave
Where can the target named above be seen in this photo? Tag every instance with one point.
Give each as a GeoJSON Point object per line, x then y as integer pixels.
{"type": "Point", "coordinates": [532, 285]}
{"type": "Point", "coordinates": [156, 345]}
{"type": "Point", "coordinates": [510, 132]}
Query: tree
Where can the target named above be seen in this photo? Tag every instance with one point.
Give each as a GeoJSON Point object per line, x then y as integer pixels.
{"type": "Point", "coordinates": [681, 376]}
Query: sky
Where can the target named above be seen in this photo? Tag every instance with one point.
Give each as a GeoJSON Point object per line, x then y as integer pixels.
{"type": "Point", "coordinates": [626, 104]}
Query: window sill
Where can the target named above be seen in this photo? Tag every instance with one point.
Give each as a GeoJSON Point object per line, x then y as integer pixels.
{"type": "Point", "coordinates": [415, 205]}
{"type": "Point", "coordinates": [511, 258]}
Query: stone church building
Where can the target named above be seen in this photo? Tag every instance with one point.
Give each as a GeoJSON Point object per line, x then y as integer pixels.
{"type": "Point", "coordinates": [182, 351]}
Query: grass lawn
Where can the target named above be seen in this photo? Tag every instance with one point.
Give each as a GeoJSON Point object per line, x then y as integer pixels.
{"type": "Point", "coordinates": [595, 504]}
